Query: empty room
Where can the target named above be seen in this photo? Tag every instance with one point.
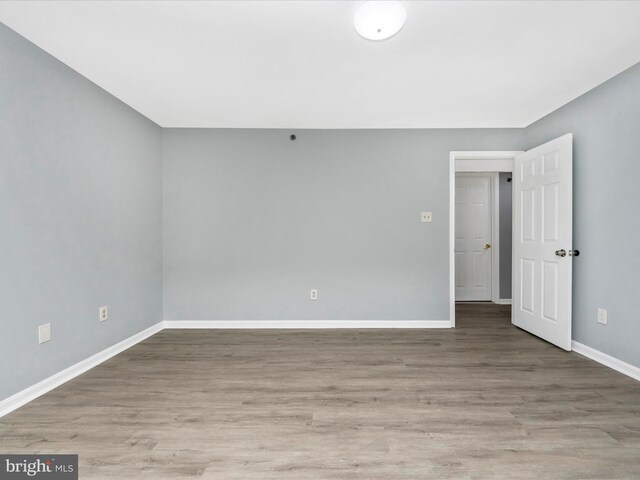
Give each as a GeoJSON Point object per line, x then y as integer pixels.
{"type": "Point", "coordinates": [319, 240]}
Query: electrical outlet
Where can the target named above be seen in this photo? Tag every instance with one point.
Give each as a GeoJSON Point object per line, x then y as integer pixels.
{"type": "Point", "coordinates": [602, 316]}
{"type": "Point", "coordinates": [44, 333]}
{"type": "Point", "coordinates": [313, 295]}
{"type": "Point", "coordinates": [426, 217]}
{"type": "Point", "coordinates": [104, 313]}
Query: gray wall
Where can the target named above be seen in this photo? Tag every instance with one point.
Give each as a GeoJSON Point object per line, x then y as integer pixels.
{"type": "Point", "coordinates": [80, 213]}
{"type": "Point", "coordinates": [252, 221]}
{"type": "Point", "coordinates": [505, 190]}
{"type": "Point", "coordinates": [606, 127]}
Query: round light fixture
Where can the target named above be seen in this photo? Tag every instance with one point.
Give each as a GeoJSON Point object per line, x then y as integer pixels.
{"type": "Point", "coordinates": [379, 20]}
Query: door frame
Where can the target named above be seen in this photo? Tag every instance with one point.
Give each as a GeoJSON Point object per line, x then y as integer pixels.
{"type": "Point", "coordinates": [482, 162]}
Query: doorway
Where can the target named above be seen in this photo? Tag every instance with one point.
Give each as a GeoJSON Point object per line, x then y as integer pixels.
{"type": "Point", "coordinates": [482, 246]}
{"type": "Point", "coordinates": [480, 227]}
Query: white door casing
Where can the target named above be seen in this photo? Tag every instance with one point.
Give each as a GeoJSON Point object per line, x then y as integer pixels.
{"type": "Point", "coordinates": [542, 226]}
{"type": "Point", "coordinates": [473, 237]}
{"type": "Point", "coordinates": [483, 162]}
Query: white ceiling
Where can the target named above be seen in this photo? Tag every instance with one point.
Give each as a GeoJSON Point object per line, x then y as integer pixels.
{"type": "Point", "coordinates": [287, 64]}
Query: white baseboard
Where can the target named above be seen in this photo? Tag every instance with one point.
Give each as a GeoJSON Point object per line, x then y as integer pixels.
{"type": "Point", "coordinates": [31, 393]}
{"type": "Point", "coordinates": [503, 301]}
{"type": "Point", "coordinates": [300, 324]}
{"type": "Point", "coordinates": [607, 360]}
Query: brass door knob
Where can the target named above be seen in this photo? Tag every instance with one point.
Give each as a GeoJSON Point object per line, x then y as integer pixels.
{"type": "Point", "coordinates": [487, 246]}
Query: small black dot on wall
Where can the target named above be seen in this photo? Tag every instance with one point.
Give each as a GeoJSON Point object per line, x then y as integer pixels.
{"type": "Point", "coordinates": [292, 137]}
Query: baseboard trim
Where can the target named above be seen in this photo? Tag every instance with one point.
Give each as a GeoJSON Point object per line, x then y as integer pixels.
{"type": "Point", "coordinates": [303, 324]}
{"type": "Point", "coordinates": [503, 301]}
{"type": "Point", "coordinates": [606, 360]}
{"type": "Point", "coordinates": [31, 393]}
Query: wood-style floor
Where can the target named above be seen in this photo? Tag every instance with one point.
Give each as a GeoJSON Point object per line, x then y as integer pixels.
{"type": "Point", "coordinates": [483, 401]}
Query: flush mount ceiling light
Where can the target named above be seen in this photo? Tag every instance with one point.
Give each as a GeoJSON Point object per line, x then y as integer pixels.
{"type": "Point", "coordinates": [379, 20]}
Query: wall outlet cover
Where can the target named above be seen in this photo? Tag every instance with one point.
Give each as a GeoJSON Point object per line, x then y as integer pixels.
{"type": "Point", "coordinates": [313, 294]}
{"type": "Point", "coordinates": [426, 217]}
{"type": "Point", "coordinates": [44, 333]}
{"type": "Point", "coordinates": [104, 313]}
{"type": "Point", "coordinates": [602, 316]}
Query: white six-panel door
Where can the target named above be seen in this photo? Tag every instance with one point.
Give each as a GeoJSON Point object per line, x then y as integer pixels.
{"type": "Point", "coordinates": [542, 241]}
{"type": "Point", "coordinates": [473, 237]}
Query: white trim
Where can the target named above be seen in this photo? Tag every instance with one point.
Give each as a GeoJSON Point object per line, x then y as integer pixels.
{"type": "Point", "coordinates": [484, 155]}
{"type": "Point", "coordinates": [34, 391]}
{"type": "Point", "coordinates": [495, 225]}
{"type": "Point", "coordinates": [606, 360]}
{"type": "Point", "coordinates": [468, 165]}
{"type": "Point", "coordinates": [495, 237]}
{"type": "Point", "coordinates": [503, 301]}
{"type": "Point", "coordinates": [452, 238]}
{"type": "Point", "coordinates": [487, 159]}
{"type": "Point", "coordinates": [301, 324]}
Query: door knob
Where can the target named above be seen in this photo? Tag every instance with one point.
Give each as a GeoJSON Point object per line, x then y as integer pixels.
{"type": "Point", "coordinates": [487, 246]}
{"type": "Point", "coordinates": [574, 253]}
{"type": "Point", "coordinates": [561, 253]}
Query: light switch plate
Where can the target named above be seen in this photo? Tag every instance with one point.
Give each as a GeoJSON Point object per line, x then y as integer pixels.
{"type": "Point", "coordinates": [44, 333]}
{"type": "Point", "coordinates": [602, 316]}
{"type": "Point", "coordinates": [426, 217]}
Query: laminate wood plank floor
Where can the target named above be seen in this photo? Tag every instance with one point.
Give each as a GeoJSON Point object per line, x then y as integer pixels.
{"type": "Point", "coordinates": [482, 401]}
